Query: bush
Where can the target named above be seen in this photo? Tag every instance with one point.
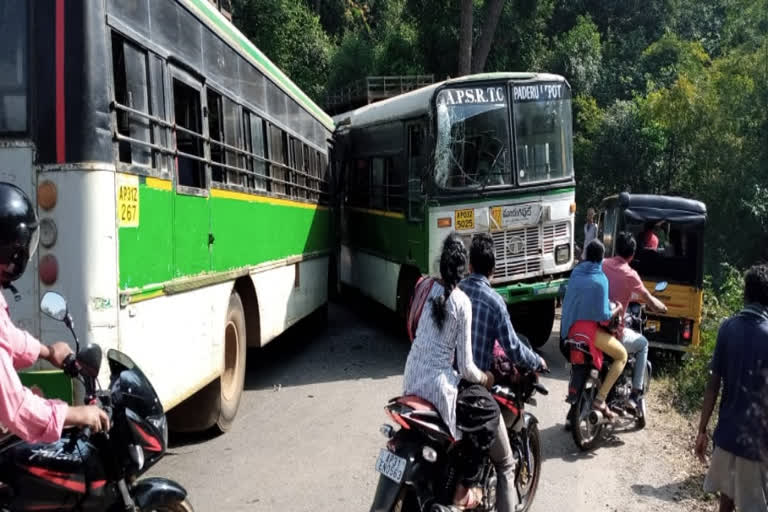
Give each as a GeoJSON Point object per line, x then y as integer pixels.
{"type": "Point", "coordinates": [720, 302]}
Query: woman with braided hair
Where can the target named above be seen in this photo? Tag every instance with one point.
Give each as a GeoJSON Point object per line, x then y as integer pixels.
{"type": "Point", "coordinates": [444, 336]}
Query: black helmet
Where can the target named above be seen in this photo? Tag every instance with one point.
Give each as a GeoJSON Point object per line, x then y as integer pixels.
{"type": "Point", "coordinates": [18, 231]}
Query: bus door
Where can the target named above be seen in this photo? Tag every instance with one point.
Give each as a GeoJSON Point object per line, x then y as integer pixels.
{"type": "Point", "coordinates": [191, 219]}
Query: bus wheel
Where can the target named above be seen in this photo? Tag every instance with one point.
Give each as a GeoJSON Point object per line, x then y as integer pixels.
{"type": "Point", "coordinates": [233, 377]}
{"type": "Point", "coordinates": [535, 320]}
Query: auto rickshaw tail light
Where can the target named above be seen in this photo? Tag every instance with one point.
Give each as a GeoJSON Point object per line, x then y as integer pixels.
{"type": "Point", "coordinates": [687, 330]}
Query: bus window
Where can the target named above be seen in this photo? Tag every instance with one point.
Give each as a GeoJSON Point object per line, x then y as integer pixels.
{"type": "Point", "coordinates": [395, 186]}
{"type": "Point", "coordinates": [278, 151]}
{"type": "Point", "coordinates": [129, 68]}
{"type": "Point", "coordinates": [216, 133]}
{"type": "Point", "coordinates": [298, 164]}
{"type": "Point", "coordinates": [157, 92]}
{"type": "Point", "coordinates": [232, 138]}
{"type": "Point", "coordinates": [309, 183]}
{"type": "Point", "coordinates": [378, 184]}
{"type": "Point", "coordinates": [255, 145]}
{"type": "Point", "coordinates": [186, 106]}
{"type": "Point", "coordinates": [13, 66]}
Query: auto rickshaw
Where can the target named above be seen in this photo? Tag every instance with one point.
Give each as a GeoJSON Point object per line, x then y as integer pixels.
{"type": "Point", "coordinates": [670, 247]}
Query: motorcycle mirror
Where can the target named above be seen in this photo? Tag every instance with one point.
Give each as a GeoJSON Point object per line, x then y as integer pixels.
{"type": "Point", "coordinates": [89, 360]}
{"type": "Point", "coordinates": [661, 286]}
{"type": "Point", "coordinates": [54, 305]}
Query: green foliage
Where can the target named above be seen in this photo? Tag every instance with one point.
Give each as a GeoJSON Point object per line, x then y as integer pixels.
{"type": "Point", "coordinates": [578, 55]}
{"type": "Point", "coordinates": [302, 49]}
{"type": "Point", "coordinates": [720, 302]}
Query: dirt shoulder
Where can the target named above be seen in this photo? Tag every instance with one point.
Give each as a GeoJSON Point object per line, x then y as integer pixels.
{"type": "Point", "coordinates": [674, 435]}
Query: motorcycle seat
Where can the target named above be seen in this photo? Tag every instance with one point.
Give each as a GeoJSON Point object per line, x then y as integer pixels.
{"type": "Point", "coordinates": [416, 403]}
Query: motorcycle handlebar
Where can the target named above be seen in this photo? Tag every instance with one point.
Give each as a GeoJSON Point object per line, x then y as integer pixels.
{"type": "Point", "coordinates": [541, 389]}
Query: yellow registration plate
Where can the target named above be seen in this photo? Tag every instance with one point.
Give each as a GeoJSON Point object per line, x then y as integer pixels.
{"type": "Point", "coordinates": [653, 326]}
{"type": "Point", "coordinates": [465, 219]}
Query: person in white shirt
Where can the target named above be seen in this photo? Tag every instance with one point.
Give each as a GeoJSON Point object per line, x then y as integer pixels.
{"type": "Point", "coordinates": [590, 231]}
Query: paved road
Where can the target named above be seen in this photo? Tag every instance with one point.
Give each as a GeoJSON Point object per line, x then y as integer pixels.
{"type": "Point", "coordinates": [306, 436]}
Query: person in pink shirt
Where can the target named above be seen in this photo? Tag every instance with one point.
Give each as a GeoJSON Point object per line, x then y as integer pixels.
{"type": "Point", "coordinates": [625, 285]}
{"type": "Point", "coordinates": [22, 412]}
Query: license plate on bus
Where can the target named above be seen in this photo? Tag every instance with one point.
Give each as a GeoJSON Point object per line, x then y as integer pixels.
{"type": "Point", "coordinates": [652, 326]}
{"type": "Point", "coordinates": [391, 466]}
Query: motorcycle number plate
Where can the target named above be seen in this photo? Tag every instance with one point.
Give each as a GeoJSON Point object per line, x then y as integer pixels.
{"type": "Point", "coordinates": [391, 466]}
{"type": "Point", "coordinates": [652, 326]}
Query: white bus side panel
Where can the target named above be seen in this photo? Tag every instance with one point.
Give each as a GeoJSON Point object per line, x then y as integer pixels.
{"type": "Point", "coordinates": [284, 299]}
{"type": "Point", "coordinates": [374, 277]}
{"type": "Point", "coordinates": [177, 340]}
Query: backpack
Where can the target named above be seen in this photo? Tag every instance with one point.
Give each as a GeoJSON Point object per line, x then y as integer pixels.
{"type": "Point", "coordinates": [420, 294]}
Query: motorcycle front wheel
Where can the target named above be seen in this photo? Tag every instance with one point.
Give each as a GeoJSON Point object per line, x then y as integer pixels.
{"type": "Point", "coordinates": [406, 502]}
{"type": "Point", "coordinates": [527, 479]}
{"type": "Point", "coordinates": [181, 506]}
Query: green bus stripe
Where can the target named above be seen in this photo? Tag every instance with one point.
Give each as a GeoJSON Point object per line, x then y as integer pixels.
{"type": "Point", "coordinates": [186, 284]}
{"type": "Point", "coordinates": [273, 71]}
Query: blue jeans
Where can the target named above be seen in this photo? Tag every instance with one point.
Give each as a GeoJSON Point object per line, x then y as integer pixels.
{"type": "Point", "coordinates": [636, 344]}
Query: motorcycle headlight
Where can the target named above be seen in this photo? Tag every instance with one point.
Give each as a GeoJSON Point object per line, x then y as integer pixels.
{"type": "Point", "coordinates": [161, 424]}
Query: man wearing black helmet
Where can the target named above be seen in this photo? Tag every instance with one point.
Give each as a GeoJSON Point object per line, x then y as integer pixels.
{"type": "Point", "coordinates": [25, 414]}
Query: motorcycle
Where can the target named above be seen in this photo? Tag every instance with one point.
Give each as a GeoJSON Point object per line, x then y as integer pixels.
{"type": "Point", "coordinates": [585, 423]}
{"type": "Point", "coordinates": [419, 466]}
{"type": "Point", "coordinates": [95, 471]}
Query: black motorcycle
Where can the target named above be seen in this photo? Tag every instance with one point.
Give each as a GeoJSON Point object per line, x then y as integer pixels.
{"type": "Point", "coordinates": [585, 423]}
{"type": "Point", "coordinates": [420, 465]}
{"type": "Point", "coordinates": [89, 472]}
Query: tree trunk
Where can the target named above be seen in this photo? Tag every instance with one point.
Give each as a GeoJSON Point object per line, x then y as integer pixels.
{"type": "Point", "coordinates": [492, 15]}
{"type": "Point", "coordinates": [465, 38]}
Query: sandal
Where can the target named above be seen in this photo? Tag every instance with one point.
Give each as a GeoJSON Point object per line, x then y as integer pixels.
{"type": "Point", "coordinates": [599, 405]}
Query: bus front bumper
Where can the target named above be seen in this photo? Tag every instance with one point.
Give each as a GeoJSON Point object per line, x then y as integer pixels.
{"type": "Point", "coordinates": [527, 292]}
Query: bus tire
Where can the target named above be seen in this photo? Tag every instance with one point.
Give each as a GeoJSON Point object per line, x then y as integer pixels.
{"type": "Point", "coordinates": [233, 376]}
{"type": "Point", "coordinates": [535, 320]}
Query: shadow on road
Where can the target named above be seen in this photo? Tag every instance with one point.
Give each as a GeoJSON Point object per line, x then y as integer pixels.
{"type": "Point", "coordinates": [358, 342]}
{"type": "Point", "coordinates": [673, 492]}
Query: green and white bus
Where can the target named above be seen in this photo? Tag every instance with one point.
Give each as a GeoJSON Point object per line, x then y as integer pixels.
{"type": "Point", "coordinates": [182, 185]}
{"type": "Point", "coordinates": [482, 153]}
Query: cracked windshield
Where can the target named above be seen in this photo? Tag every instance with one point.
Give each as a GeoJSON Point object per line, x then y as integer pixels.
{"type": "Point", "coordinates": [472, 138]}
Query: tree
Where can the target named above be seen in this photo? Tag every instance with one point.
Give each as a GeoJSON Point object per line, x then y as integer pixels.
{"type": "Point", "coordinates": [465, 38]}
{"type": "Point", "coordinates": [493, 13]}
{"type": "Point", "coordinates": [578, 55]}
{"type": "Point", "coordinates": [303, 49]}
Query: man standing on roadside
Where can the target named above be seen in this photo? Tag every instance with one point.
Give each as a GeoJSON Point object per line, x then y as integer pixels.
{"type": "Point", "coordinates": [739, 466]}
{"type": "Point", "coordinates": [590, 231]}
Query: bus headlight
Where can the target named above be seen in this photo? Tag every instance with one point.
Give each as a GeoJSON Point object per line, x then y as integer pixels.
{"type": "Point", "coordinates": [562, 254]}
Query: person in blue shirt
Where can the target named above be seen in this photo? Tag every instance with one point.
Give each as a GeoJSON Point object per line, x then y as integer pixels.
{"type": "Point", "coordinates": [491, 323]}
{"type": "Point", "coordinates": [586, 305]}
{"type": "Point", "coordinates": [739, 465]}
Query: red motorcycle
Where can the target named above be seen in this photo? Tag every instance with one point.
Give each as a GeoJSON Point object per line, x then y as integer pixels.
{"type": "Point", "coordinates": [419, 464]}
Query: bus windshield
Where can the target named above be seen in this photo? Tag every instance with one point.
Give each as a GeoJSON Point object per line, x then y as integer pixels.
{"type": "Point", "coordinates": [13, 66]}
{"type": "Point", "coordinates": [472, 148]}
{"type": "Point", "coordinates": [543, 132]}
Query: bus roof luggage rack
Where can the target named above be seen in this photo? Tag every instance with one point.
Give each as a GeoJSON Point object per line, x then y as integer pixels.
{"type": "Point", "coordinates": [372, 89]}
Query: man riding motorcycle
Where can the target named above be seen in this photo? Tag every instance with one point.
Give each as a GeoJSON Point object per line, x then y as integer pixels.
{"type": "Point", "coordinates": [624, 285]}
{"type": "Point", "coordinates": [22, 412]}
{"type": "Point", "coordinates": [491, 323]}
{"type": "Point", "coordinates": [586, 307]}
